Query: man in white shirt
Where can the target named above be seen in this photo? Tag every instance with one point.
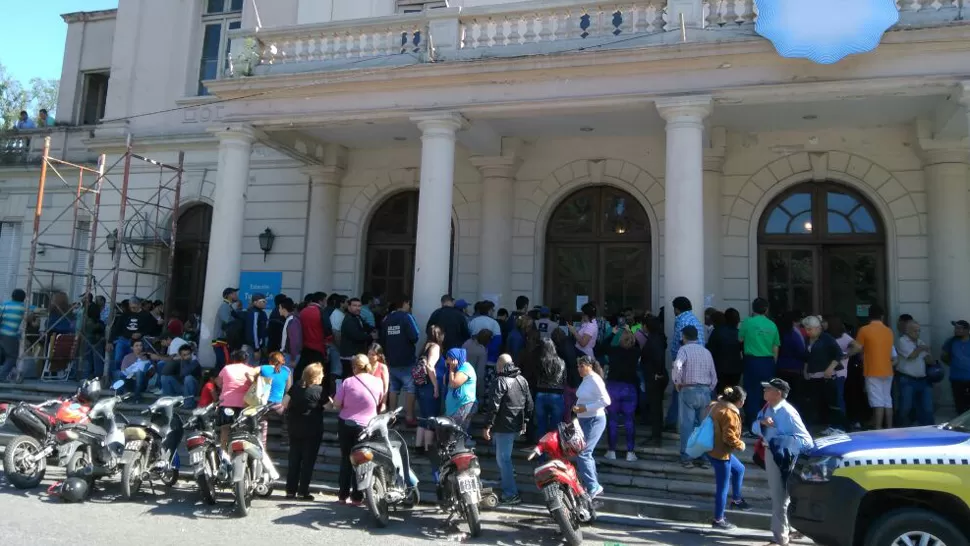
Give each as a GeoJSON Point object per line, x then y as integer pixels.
{"type": "Point", "coordinates": [914, 389]}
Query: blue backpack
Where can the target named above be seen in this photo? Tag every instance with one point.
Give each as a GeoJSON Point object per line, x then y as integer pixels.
{"type": "Point", "coordinates": [702, 439]}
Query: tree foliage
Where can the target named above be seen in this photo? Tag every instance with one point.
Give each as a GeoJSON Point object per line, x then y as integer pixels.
{"type": "Point", "coordinates": [14, 97]}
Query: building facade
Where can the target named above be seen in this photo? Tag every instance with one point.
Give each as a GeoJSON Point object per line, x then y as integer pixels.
{"type": "Point", "coordinates": [624, 154]}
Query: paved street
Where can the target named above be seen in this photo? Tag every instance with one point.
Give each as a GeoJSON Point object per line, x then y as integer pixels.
{"type": "Point", "coordinates": [31, 518]}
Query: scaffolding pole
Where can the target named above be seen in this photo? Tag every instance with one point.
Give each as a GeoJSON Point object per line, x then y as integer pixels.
{"type": "Point", "coordinates": [48, 344]}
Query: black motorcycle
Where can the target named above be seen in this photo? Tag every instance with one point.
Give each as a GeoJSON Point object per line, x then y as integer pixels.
{"type": "Point", "coordinates": [253, 472]}
{"type": "Point", "coordinates": [459, 488]}
{"type": "Point", "coordinates": [383, 467]}
{"type": "Point", "coordinates": [151, 448]}
{"type": "Point", "coordinates": [210, 466]}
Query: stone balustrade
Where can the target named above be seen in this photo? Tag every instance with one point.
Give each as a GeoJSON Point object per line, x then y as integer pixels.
{"type": "Point", "coordinates": [508, 30]}
{"type": "Point", "coordinates": [26, 147]}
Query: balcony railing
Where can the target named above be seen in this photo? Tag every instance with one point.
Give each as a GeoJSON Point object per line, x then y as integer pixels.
{"type": "Point", "coordinates": [508, 30]}
{"type": "Point", "coordinates": [26, 147]}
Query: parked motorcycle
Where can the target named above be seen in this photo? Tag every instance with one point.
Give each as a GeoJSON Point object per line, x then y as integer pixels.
{"type": "Point", "coordinates": [28, 455]}
{"type": "Point", "coordinates": [96, 447]}
{"type": "Point", "coordinates": [3, 414]}
{"type": "Point", "coordinates": [253, 472]}
{"type": "Point", "coordinates": [459, 488]}
{"type": "Point", "coordinates": [383, 467]}
{"type": "Point", "coordinates": [210, 465]}
{"type": "Point", "coordinates": [151, 448]}
{"type": "Point", "coordinates": [566, 499]}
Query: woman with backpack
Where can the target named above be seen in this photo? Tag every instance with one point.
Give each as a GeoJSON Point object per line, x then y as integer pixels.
{"type": "Point", "coordinates": [426, 386]}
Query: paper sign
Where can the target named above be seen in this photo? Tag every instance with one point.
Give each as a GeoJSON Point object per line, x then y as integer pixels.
{"type": "Point", "coordinates": [862, 310]}
{"type": "Point", "coordinates": [709, 301]}
{"type": "Point", "coordinates": [580, 302]}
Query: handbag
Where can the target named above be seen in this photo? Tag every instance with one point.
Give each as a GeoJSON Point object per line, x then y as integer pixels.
{"type": "Point", "coordinates": [702, 439]}
{"type": "Point", "coordinates": [258, 393]}
{"type": "Point", "coordinates": [419, 372]}
{"type": "Point", "coordinates": [935, 373]}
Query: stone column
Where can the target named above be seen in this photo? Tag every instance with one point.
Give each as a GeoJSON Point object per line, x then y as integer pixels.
{"type": "Point", "coordinates": [684, 202]}
{"type": "Point", "coordinates": [321, 236]}
{"type": "Point", "coordinates": [433, 250]}
{"type": "Point", "coordinates": [713, 174]}
{"type": "Point", "coordinates": [947, 202]}
{"type": "Point", "coordinates": [495, 254]}
{"type": "Point", "coordinates": [228, 213]}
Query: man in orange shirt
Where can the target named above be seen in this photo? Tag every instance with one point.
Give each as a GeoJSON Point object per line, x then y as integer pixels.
{"type": "Point", "coordinates": [876, 341]}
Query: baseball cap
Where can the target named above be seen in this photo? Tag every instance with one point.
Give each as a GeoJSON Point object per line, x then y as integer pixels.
{"type": "Point", "coordinates": [544, 311]}
{"type": "Point", "coordinates": [779, 384]}
{"type": "Point", "coordinates": [461, 304]}
{"type": "Point", "coordinates": [228, 291]}
{"type": "Point", "coordinates": [961, 324]}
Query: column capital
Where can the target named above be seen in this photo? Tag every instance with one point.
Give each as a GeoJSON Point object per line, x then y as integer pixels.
{"type": "Point", "coordinates": [496, 166]}
{"type": "Point", "coordinates": [687, 108]}
{"type": "Point", "coordinates": [442, 123]}
{"type": "Point", "coordinates": [324, 175]}
{"type": "Point", "coordinates": [945, 154]}
{"type": "Point", "coordinates": [234, 134]}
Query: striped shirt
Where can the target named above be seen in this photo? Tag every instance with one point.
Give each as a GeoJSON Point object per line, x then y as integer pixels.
{"type": "Point", "coordinates": [694, 365]}
{"type": "Point", "coordinates": [11, 316]}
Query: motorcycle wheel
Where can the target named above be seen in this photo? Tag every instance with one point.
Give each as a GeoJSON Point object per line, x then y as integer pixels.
{"type": "Point", "coordinates": [14, 464]}
{"type": "Point", "coordinates": [170, 478]}
{"type": "Point", "coordinates": [376, 502]}
{"type": "Point", "coordinates": [568, 524]}
{"type": "Point", "coordinates": [474, 519]}
{"type": "Point", "coordinates": [77, 462]}
{"type": "Point", "coordinates": [207, 487]}
{"type": "Point", "coordinates": [131, 478]}
{"type": "Point", "coordinates": [243, 497]}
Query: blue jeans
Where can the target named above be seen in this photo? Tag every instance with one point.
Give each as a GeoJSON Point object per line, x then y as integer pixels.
{"type": "Point", "coordinates": [122, 348]}
{"type": "Point", "coordinates": [757, 370]}
{"type": "Point", "coordinates": [593, 428]}
{"type": "Point", "coordinates": [918, 392]}
{"type": "Point", "coordinates": [549, 410]}
{"type": "Point", "coordinates": [693, 401]}
{"type": "Point", "coordinates": [333, 357]}
{"type": "Point", "coordinates": [9, 349]}
{"type": "Point", "coordinates": [503, 456]}
{"type": "Point", "coordinates": [400, 379]}
{"type": "Point", "coordinates": [729, 472]}
{"type": "Point", "coordinates": [171, 386]}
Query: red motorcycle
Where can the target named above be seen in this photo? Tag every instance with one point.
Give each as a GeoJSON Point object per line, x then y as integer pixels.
{"type": "Point", "coordinates": [566, 499]}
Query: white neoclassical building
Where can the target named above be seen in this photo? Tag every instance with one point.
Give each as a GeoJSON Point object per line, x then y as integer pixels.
{"type": "Point", "coordinates": [625, 152]}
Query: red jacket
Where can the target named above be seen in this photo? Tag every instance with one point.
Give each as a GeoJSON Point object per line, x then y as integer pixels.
{"type": "Point", "coordinates": [313, 333]}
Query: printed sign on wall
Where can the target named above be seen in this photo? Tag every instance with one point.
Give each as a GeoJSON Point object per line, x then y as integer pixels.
{"type": "Point", "coordinates": [825, 31]}
{"type": "Point", "coordinates": [268, 283]}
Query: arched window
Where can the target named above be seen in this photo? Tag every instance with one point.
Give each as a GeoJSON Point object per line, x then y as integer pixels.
{"type": "Point", "coordinates": [191, 254]}
{"type": "Point", "coordinates": [391, 241]}
{"type": "Point", "coordinates": [598, 249]}
{"type": "Point", "coordinates": [822, 250]}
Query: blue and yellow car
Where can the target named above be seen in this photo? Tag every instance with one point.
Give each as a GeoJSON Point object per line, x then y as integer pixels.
{"type": "Point", "coordinates": [886, 488]}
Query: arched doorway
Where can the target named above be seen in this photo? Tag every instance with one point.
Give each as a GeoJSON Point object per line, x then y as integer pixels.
{"type": "Point", "coordinates": [191, 254]}
{"type": "Point", "coordinates": [822, 250]}
{"type": "Point", "coordinates": [391, 241]}
{"type": "Point", "coordinates": [598, 248]}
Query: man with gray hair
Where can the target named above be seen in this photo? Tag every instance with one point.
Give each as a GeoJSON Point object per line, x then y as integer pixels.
{"type": "Point", "coordinates": [824, 359]}
{"type": "Point", "coordinates": [914, 389]}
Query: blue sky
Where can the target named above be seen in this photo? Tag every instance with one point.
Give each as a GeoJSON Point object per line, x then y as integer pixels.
{"type": "Point", "coordinates": [32, 41]}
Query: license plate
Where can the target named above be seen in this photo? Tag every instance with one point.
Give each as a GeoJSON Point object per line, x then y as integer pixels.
{"type": "Point", "coordinates": [196, 457]}
{"type": "Point", "coordinates": [468, 485]}
{"type": "Point", "coordinates": [134, 445]}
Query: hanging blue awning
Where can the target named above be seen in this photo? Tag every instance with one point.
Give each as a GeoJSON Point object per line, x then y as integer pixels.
{"type": "Point", "coordinates": [825, 31]}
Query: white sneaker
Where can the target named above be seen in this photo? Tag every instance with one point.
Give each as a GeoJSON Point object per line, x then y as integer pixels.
{"type": "Point", "coordinates": [631, 457]}
{"type": "Point", "coordinates": [610, 456]}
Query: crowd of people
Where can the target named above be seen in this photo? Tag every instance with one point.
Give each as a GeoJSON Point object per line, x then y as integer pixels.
{"type": "Point", "coordinates": [526, 370]}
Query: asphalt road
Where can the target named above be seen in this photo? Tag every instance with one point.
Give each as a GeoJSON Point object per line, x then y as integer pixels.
{"type": "Point", "coordinates": [176, 517]}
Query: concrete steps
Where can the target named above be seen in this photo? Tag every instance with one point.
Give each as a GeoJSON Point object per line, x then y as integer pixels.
{"type": "Point", "coordinates": [655, 486]}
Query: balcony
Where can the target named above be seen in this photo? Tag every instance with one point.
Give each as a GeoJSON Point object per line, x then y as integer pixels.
{"type": "Point", "coordinates": [512, 30]}
{"type": "Point", "coordinates": [26, 148]}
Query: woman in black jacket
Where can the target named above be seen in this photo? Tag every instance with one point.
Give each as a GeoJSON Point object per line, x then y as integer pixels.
{"type": "Point", "coordinates": [654, 367]}
{"type": "Point", "coordinates": [725, 348]}
{"type": "Point", "coordinates": [305, 413]}
{"type": "Point", "coordinates": [566, 349]}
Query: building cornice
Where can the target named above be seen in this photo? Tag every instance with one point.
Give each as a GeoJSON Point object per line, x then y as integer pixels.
{"type": "Point", "coordinates": [89, 16]}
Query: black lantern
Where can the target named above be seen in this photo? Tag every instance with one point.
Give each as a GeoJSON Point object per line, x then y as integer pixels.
{"type": "Point", "coordinates": [112, 241]}
{"type": "Point", "coordinates": [266, 239]}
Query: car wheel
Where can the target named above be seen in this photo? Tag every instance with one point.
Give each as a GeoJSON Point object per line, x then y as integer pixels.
{"type": "Point", "coordinates": [913, 526]}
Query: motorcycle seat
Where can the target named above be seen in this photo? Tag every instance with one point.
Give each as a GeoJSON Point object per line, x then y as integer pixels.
{"type": "Point", "coordinates": [139, 422]}
{"type": "Point", "coordinates": [91, 428]}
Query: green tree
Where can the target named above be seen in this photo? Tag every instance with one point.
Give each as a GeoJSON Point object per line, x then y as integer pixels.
{"type": "Point", "coordinates": [15, 97]}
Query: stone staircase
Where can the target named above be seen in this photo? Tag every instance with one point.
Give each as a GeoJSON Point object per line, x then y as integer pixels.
{"type": "Point", "coordinates": [655, 487]}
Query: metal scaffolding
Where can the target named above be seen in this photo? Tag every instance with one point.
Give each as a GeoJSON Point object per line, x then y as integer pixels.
{"type": "Point", "coordinates": [139, 227]}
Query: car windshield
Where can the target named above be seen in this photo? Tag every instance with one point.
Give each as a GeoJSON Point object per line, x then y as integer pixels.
{"type": "Point", "coordinates": [960, 424]}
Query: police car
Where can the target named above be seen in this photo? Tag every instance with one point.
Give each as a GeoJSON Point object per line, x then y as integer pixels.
{"type": "Point", "coordinates": [886, 488]}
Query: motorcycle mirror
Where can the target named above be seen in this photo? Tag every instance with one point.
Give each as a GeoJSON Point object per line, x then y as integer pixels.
{"type": "Point", "coordinates": [118, 384]}
{"type": "Point", "coordinates": [228, 411]}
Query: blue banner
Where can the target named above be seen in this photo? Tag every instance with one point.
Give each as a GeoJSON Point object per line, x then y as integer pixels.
{"type": "Point", "coordinates": [268, 283]}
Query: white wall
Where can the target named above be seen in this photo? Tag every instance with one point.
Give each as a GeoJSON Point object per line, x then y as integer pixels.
{"type": "Point", "coordinates": [89, 47]}
{"type": "Point", "coordinates": [322, 11]}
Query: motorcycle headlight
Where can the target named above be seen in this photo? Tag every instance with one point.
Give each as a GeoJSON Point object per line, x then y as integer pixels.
{"type": "Point", "coordinates": [816, 469]}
